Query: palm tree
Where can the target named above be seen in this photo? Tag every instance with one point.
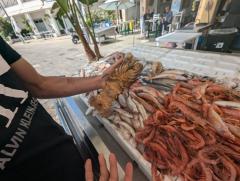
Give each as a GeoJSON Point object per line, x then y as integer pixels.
{"type": "Point", "coordinates": [70, 8]}
{"type": "Point", "coordinates": [88, 3]}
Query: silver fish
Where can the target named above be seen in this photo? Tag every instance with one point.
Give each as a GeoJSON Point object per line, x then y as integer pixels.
{"type": "Point", "coordinates": [168, 76]}
{"type": "Point", "coordinates": [126, 119]}
{"type": "Point", "coordinates": [125, 133]}
{"type": "Point", "coordinates": [177, 72]}
{"type": "Point", "coordinates": [125, 93]}
{"type": "Point", "coordinates": [122, 101]}
{"type": "Point", "coordinates": [132, 142]}
{"type": "Point", "coordinates": [131, 105]}
{"type": "Point", "coordinates": [149, 90]}
{"type": "Point", "coordinates": [234, 129]}
{"type": "Point", "coordinates": [136, 122]}
{"type": "Point", "coordinates": [128, 127]}
{"type": "Point", "coordinates": [141, 109]}
{"type": "Point", "coordinates": [231, 104]}
{"type": "Point", "coordinates": [123, 112]}
{"type": "Point", "coordinates": [141, 121]}
{"type": "Point", "coordinates": [218, 124]}
{"type": "Point", "coordinates": [112, 117]}
{"type": "Point", "coordinates": [116, 119]}
{"type": "Point", "coordinates": [115, 104]}
{"type": "Point", "coordinates": [167, 82]}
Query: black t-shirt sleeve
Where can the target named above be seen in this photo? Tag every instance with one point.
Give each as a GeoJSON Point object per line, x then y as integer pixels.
{"type": "Point", "coordinates": [8, 53]}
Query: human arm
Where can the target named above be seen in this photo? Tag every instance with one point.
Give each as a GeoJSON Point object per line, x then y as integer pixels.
{"type": "Point", "coordinates": [52, 86]}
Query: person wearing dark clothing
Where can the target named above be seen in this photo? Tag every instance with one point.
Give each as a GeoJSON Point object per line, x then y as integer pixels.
{"type": "Point", "coordinates": [148, 15]}
{"type": "Point", "coordinates": [152, 13]}
{"type": "Point", "coordinates": [33, 147]}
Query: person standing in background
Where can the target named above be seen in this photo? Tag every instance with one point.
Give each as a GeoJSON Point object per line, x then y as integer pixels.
{"type": "Point", "coordinates": [152, 13]}
{"type": "Point", "coordinates": [142, 23]}
{"type": "Point", "coordinates": [147, 15]}
{"type": "Point", "coordinates": [167, 17]}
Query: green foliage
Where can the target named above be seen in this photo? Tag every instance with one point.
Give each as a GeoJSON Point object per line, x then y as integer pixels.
{"type": "Point", "coordinates": [71, 10]}
{"type": "Point", "coordinates": [27, 25]}
{"type": "Point", "coordinates": [88, 2]}
{"type": "Point", "coordinates": [55, 7]}
{"type": "Point", "coordinates": [63, 5]}
{"type": "Point", "coordinates": [5, 28]}
{"type": "Point", "coordinates": [60, 13]}
{"type": "Point", "coordinates": [25, 32]}
{"type": "Point", "coordinates": [102, 15]}
{"type": "Point", "coordinates": [97, 15]}
{"type": "Point", "coordinates": [60, 21]}
{"type": "Point", "coordinates": [63, 8]}
{"type": "Point", "coordinates": [89, 23]}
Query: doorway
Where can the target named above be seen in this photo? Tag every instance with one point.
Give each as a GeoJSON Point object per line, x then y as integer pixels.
{"type": "Point", "coordinates": [40, 25]}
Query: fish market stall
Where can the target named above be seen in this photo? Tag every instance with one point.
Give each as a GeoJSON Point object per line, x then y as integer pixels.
{"type": "Point", "coordinates": [179, 37]}
{"type": "Point", "coordinates": [175, 113]}
{"type": "Point", "coordinates": [103, 33]}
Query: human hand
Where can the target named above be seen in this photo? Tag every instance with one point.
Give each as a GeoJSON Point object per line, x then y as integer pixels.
{"type": "Point", "coordinates": [105, 174]}
{"type": "Point", "coordinates": [118, 57]}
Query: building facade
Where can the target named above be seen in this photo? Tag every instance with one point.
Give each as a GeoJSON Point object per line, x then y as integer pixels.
{"type": "Point", "coordinates": [157, 6]}
{"type": "Point", "coordinates": [143, 6]}
{"type": "Point", "coordinates": [33, 15]}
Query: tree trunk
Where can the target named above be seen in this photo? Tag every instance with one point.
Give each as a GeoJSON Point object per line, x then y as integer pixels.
{"type": "Point", "coordinates": [96, 48]}
{"type": "Point", "coordinates": [76, 24]}
{"type": "Point", "coordinates": [91, 21]}
{"type": "Point", "coordinates": [90, 54]}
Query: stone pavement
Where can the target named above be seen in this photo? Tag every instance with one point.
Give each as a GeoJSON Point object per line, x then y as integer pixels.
{"type": "Point", "coordinates": [59, 56]}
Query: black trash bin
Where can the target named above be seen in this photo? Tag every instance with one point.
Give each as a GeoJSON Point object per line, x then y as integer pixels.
{"type": "Point", "coordinates": [236, 43]}
{"type": "Point", "coordinates": [220, 40]}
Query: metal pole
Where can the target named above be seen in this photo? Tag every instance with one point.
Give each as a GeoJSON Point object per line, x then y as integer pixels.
{"type": "Point", "coordinates": [117, 16]}
{"type": "Point", "coordinates": [134, 25]}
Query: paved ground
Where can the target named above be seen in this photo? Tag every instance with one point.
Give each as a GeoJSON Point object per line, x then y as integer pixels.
{"type": "Point", "coordinates": [61, 57]}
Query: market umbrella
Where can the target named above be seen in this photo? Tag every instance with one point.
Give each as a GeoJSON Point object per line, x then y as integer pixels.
{"type": "Point", "coordinates": [116, 5]}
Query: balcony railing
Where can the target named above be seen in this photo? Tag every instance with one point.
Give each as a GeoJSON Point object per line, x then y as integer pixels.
{"type": "Point", "coordinates": [27, 0]}
{"type": "Point", "coordinates": [36, 0]}
{"type": "Point", "coordinates": [8, 3]}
